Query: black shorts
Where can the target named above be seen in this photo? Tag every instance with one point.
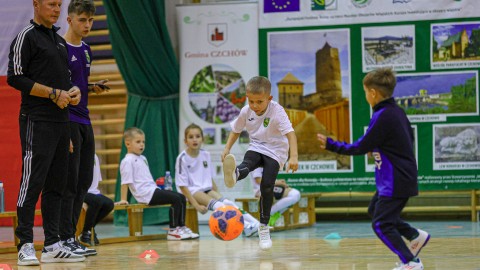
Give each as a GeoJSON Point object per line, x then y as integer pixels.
{"type": "Point", "coordinates": [278, 192]}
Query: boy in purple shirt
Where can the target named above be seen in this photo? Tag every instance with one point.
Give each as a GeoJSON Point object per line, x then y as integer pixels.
{"type": "Point", "coordinates": [82, 144]}
{"type": "Point", "coordinates": [389, 138]}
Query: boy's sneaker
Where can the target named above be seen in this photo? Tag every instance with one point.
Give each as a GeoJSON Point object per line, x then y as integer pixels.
{"type": "Point", "coordinates": [86, 238]}
{"type": "Point", "coordinates": [88, 251]}
{"type": "Point", "coordinates": [26, 255]}
{"type": "Point", "coordinates": [95, 239]}
{"type": "Point", "coordinates": [190, 232]}
{"type": "Point", "coordinates": [409, 266]}
{"type": "Point", "coordinates": [251, 229]}
{"type": "Point", "coordinates": [230, 174]}
{"type": "Point", "coordinates": [71, 245]}
{"type": "Point", "coordinates": [418, 243]}
{"type": "Point", "coordinates": [273, 219]}
{"type": "Point", "coordinates": [60, 254]}
{"type": "Point", "coordinates": [264, 235]}
{"type": "Point", "coordinates": [177, 234]}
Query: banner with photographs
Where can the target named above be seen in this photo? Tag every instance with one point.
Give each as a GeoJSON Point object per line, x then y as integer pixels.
{"type": "Point", "coordinates": [218, 55]}
{"type": "Point", "coordinates": [316, 54]}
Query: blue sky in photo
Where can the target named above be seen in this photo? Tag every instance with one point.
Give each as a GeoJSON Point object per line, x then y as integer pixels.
{"type": "Point", "coordinates": [409, 85]}
{"type": "Point", "coordinates": [393, 31]}
{"type": "Point", "coordinates": [443, 31]}
{"type": "Point", "coordinates": [209, 131]}
{"type": "Point", "coordinates": [294, 52]}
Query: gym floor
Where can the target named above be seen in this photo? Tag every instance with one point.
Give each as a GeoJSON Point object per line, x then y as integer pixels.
{"type": "Point", "coordinates": [327, 245]}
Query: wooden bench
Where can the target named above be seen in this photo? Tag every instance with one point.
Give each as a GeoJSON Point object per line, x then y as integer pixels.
{"type": "Point", "coordinates": [135, 217]}
{"type": "Point", "coordinates": [472, 208]}
{"type": "Point", "coordinates": [135, 220]}
{"type": "Point", "coordinates": [13, 216]}
{"type": "Point", "coordinates": [301, 214]}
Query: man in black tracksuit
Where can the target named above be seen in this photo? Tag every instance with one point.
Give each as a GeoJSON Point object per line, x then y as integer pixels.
{"type": "Point", "coordinates": [38, 67]}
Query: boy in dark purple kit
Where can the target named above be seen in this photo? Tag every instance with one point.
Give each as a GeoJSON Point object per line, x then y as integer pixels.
{"type": "Point", "coordinates": [389, 138]}
{"type": "Point", "coordinates": [82, 144]}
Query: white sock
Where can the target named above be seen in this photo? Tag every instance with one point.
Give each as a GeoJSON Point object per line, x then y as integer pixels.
{"type": "Point", "coordinates": [246, 216]}
{"type": "Point", "coordinates": [228, 202]}
{"type": "Point", "coordinates": [281, 205]}
{"type": "Point", "coordinates": [249, 218]}
{"type": "Point", "coordinates": [217, 205]}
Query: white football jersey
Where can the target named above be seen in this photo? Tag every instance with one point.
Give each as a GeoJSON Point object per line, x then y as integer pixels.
{"type": "Point", "coordinates": [195, 173]}
{"type": "Point", "coordinates": [97, 177]}
{"type": "Point", "coordinates": [136, 174]}
{"type": "Point", "coordinates": [267, 132]}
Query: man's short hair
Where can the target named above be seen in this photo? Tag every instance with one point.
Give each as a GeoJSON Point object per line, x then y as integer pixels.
{"type": "Point", "coordinates": [81, 6]}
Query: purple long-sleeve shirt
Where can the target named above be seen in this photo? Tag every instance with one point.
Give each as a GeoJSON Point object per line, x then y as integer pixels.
{"type": "Point", "coordinates": [79, 61]}
{"type": "Point", "coordinates": [390, 139]}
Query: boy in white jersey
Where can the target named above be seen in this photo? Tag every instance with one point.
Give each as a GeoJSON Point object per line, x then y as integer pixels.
{"type": "Point", "coordinates": [284, 195]}
{"type": "Point", "coordinates": [136, 176]}
{"type": "Point", "coordinates": [194, 179]}
{"type": "Point", "coordinates": [271, 135]}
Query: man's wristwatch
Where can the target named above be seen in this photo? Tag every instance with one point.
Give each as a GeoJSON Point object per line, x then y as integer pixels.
{"type": "Point", "coordinates": [53, 94]}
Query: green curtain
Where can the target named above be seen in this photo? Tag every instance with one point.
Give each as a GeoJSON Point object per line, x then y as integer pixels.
{"type": "Point", "coordinates": [145, 57]}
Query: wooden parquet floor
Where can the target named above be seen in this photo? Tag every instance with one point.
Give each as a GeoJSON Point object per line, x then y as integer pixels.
{"type": "Point", "coordinates": [292, 250]}
{"type": "Point", "coordinates": [288, 254]}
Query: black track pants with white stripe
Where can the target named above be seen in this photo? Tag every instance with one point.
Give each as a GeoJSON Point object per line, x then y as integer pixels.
{"type": "Point", "coordinates": [44, 169]}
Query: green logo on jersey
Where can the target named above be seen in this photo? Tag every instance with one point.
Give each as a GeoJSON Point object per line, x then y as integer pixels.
{"type": "Point", "coordinates": [205, 164]}
{"type": "Point", "coordinates": [87, 56]}
{"type": "Point", "coordinates": [266, 121]}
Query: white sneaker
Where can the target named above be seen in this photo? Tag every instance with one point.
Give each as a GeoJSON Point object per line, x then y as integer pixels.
{"type": "Point", "coordinates": [72, 246]}
{"type": "Point", "coordinates": [88, 251]}
{"type": "Point", "coordinates": [190, 232]}
{"type": "Point", "coordinates": [60, 254]}
{"type": "Point", "coordinates": [230, 171]}
{"type": "Point", "coordinates": [264, 235]}
{"type": "Point", "coordinates": [418, 243]}
{"type": "Point", "coordinates": [251, 229]}
{"type": "Point", "coordinates": [409, 266]}
{"type": "Point", "coordinates": [26, 255]}
{"type": "Point", "coordinates": [177, 234]}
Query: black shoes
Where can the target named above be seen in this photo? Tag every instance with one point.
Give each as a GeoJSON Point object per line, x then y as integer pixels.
{"type": "Point", "coordinates": [86, 238]}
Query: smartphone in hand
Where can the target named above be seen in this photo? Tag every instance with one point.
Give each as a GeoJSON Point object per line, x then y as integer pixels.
{"type": "Point", "coordinates": [100, 84]}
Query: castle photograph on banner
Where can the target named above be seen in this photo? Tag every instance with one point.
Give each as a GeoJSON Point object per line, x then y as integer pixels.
{"type": "Point", "coordinates": [388, 46]}
{"type": "Point", "coordinates": [311, 80]}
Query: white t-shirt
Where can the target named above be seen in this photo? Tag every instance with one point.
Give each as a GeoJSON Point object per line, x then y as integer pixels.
{"type": "Point", "coordinates": [195, 173]}
{"type": "Point", "coordinates": [136, 174]}
{"type": "Point", "coordinates": [267, 132]}
{"type": "Point", "coordinates": [97, 177]}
